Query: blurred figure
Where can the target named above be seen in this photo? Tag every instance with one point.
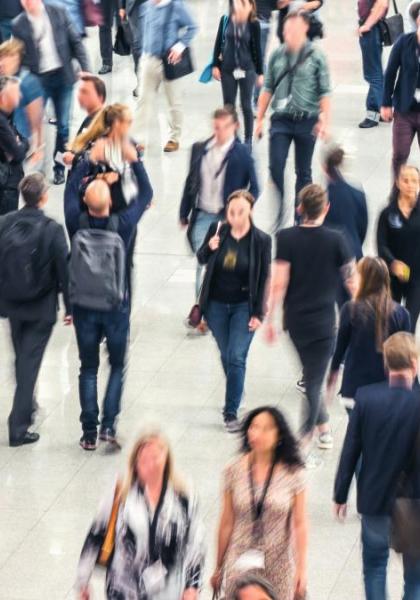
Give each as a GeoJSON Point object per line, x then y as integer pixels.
{"type": "Point", "coordinates": [13, 147]}
{"type": "Point", "coordinates": [134, 11]}
{"type": "Point", "coordinates": [383, 430]}
{"type": "Point", "coordinates": [158, 550]}
{"type": "Point", "coordinates": [29, 114]}
{"type": "Point", "coordinates": [410, 17]}
{"type": "Point", "coordinates": [264, 16]}
{"type": "Point", "coordinates": [218, 167]}
{"type": "Point", "coordinates": [310, 262]}
{"type": "Point", "coordinates": [365, 323]}
{"type": "Point", "coordinates": [263, 525]}
{"type": "Point", "coordinates": [9, 9]}
{"type": "Point", "coordinates": [31, 302]}
{"type": "Point", "coordinates": [51, 42]}
{"type": "Point", "coordinates": [401, 98]}
{"type": "Point", "coordinates": [254, 587]}
{"type": "Point", "coordinates": [74, 8]}
{"type": "Point", "coordinates": [398, 238]}
{"type": "Point", "coordinates": [237, 59]}
{"type": "Point", "coordinates": [168, 29]}
{"type": "Point", "coordinates": [312, 8]}
{"type": "Point", "coordinates": [233, 296]}
{"type": "Point", "coordinates": [297, 85]}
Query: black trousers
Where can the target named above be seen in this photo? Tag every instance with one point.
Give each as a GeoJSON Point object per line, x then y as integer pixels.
{"type": "Point", "coordinates": [30, 339]}
{"type": "Point", "coordinates": [410, 292]}
{"type": "Point", "coordinates": [105, 31]}
{"type": "Point", "coordinates": [246, 85]}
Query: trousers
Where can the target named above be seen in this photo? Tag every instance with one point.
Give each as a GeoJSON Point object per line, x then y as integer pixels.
{"type": "Point", "coordinates": [246, 85]}
{"type": "Point", "coordinates": [405, 127]}
{"type": "Point", "coordinates": [371, 47]}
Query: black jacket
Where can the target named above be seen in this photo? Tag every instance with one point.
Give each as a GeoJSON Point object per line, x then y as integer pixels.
{"type": "Point", "coordinates": [44, 308]}
{"type": "Point", "coordinates": [383, 429]}
{"type": "Point", "coordinates": [255, 47]}
{"type": "Point", "coordinates": [259, 269]}
{"type": "Point", "coordinates": [13, 149]}
{"type": "Point", "coordinates": [403, 68]}
{"type": "Point", "coordinates": [68, 41]}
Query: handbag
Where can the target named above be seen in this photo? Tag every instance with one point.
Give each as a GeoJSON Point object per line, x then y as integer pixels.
{"type": "Point", "coordinates": [207, 74]}
{"type": "Point", "coordinates": [391, 27]}
{"type": "Point", "coordinates": [122, 44]}
{"type": "Point", "coordinates": [108, 545]}
{"type": "Point", "coordinates": [92, 13]}
{"type": "Point", "coordinates": [185, 65]}
{"type": "Point", "coordinates": [195, 316]}
{"type": "Point", "coordinates": [4, 173]}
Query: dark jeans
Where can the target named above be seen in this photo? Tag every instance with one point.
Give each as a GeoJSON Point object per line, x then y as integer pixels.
{"type": "Point", "coordinates": [375, 543]}
{"type": "Point", "coordinates": [410, 292]}
{"type": "Point", "coordinates": [105, 31]}
{"type": "Point", "coordinates": [30, 339]}
{"type": "Point", "coordinates": [315, 356]}
{"type": "Point", "coordinates": [371, 47]}
{"type": "Point", "coordinates": [246, 87]}
{"type": "Point", "coordinates": [9, 200]}
{"type": "Point", "coordinates": [136, 22]}
{"type": "Point", "coordinates": [265, 27]}
{"type": "Point", "coordinates": [229, 326]}
{"type": "Point", "coordinates": [405, 127]}
{"type": "Point", "coordinates": [60, 93]}
{"type": "Point", "coordinates": [5, 29]}
{"type": "Point", "coordinates": [284, 130]}
{"type": "Point", "coordinates": [91, 327]}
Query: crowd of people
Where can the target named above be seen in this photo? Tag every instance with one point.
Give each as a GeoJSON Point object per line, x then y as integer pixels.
{"type": "Point", "coordinates": [148, 532]}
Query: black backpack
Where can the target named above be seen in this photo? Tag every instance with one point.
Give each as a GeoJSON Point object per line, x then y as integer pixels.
{"type": "Point", "coordinates": [25, 262]}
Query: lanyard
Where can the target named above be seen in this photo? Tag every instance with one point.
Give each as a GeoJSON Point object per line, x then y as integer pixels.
{"type": "Point", "coordinates": [258, 507]}
{"type": "Point", "coordinates": [153, 552]}
{"type": "Point", "coordinates": [238, 33]}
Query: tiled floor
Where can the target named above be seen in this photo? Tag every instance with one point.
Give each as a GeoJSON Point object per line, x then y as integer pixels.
{"type": "Point", "coordinates": [48, 492]}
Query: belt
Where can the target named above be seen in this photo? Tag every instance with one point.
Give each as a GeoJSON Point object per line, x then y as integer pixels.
{"type": "Point", "coordinates": [294, 115]}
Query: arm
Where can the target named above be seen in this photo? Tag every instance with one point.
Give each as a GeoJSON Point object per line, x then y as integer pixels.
{"type": "Point", "coordinates": [188, 198]}
{"type": "Point", "coordinates": [280, 279]}
{"type": "Point", "coordinates": [185, 22]}
{"type": "Point", "coordinates": [312, 5]}
{"type": "Point", "coordinates": [377, 12]}
{"type": "Point", "coordinates": [227, 523]}
{"type": "Point", "coordinates": [77, 48]}
{"type": "Point", "coordinates": [394, 64]}
{"type": "Point", "coordinates": [204, 253]}
{"type": "Point", "coordinates": [261, 303]}
{"type": "Point", "coordinates": [300, 526]}
{"type": "Point", "coordinates": [14, 148]}
{"type": "Point", "coordinates": [256, 40]}
{"type": "Point", "coordinates": [61, 256]}
{"type": "Point", "coordinates": [130, 216]}
{"type": "Point", "coordinates": [382, 239]}
{"type": "Point", "coordinates": [34, 113]}
{"type": "Point", "coordinates": [350, 455]}
{"type": "Point", "coordinates": [348, 273]}
{"type": "Point", "coordinates": [72, 209]}
{"type": "Point", "coordinates": [254, 188]}
{"type": "Point", "coordinates": [343, 338]}
{"type": "Point", "coordinates": [363, 218]}
{"type": "Point", "coordinates": [324, 90]}
{"type": "Point", "coordinates": [217, 51]}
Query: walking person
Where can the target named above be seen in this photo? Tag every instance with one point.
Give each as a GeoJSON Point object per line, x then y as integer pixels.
{"type": "Point", "coordinates": [233, 296]}
{"type": "Point", "coordinates": [169, 29]}
{"type": "Point", "coordinates": [263, 525]}
{"type": "Point", "coordinates": [401, 98]}
{"type": "Point", "coordinates": [134, 12]}
{"type": "Point", "coordinates": [297, 86]}
{"type": "Point", "coordinates": [218, 167]}
{"type": "Point", "coordinates": [398, 240]}
{"type": "Point", "coordinates": [158, 551]}
{"type": "Point", "coordinates": [311, 260]}
{"type": "Point", "coordinates": [34, 244]}
{"type": "Point", "coordinates": [237, 59]}
{"type": "Point", "coordinates": [383, 430]}
{"type": "Point", "coordinates": [51, 43]}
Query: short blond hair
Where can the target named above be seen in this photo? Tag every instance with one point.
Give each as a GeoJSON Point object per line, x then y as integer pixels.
{"type": "Point", "coordinates": [12, 47]}
{"type": "Point", "coordinates": [400, 351]}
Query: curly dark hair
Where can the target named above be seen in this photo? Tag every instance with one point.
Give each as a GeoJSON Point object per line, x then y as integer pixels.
{"type": "Point", "coordinates": [287, 450]}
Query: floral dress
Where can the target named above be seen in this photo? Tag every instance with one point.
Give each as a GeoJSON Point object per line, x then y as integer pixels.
{"type": "Point", "coordinates": [276, 542]}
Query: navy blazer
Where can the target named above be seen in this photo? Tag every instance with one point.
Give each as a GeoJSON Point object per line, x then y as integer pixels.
{"type": "Point", "coordinates": [383, 430]}
{"type": "Point", "coordinates": [403, 61]}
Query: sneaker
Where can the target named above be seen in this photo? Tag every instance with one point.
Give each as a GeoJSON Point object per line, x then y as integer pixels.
{"type": "Point", "coordinates": [232, 425]}
{"type": "Point", "coordinates": [27, 438]}
{"type": "Point", "coordinates": [136, 92]}
{"type": "Point", "coordinates": [105, 69]}
{"type": "Point", "coordinates": [171, 146]}
{"type": "Point", "coordinates": [313, 462]}
{"type": "Point", "coordinates": [325, 441]}
{"type": "Point", "coordinates": [301, 386]}
{"type": "Point", "coordinates": [108, 436]}
{"type": "Point", "coordinates": [88, 442]}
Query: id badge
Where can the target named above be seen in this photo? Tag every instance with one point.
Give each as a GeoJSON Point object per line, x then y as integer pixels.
{"type": "Point", "coordinates": [154, 578]}
{"type": "Point", "coordinates": [252, 559]}
{"type": "Point", "coordinates": [239, 74]}
{"type": "Point", "coordinates": [417, 95]}
{"type": "Point", "coordinates": [282, 103]}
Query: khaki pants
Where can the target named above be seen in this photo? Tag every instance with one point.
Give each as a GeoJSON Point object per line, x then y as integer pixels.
{"type": "Point", "coordinates": [151, 76]}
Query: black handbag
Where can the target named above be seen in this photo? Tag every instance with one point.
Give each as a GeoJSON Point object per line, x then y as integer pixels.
{"type": "Point", "coordinates": [4, 173]}
{"type": "Point", "coordinates": [122, 45]}
{"type": "Point", "coordinates": [182, 68]}
{"type": "Point", "coordinates": [391, 27]}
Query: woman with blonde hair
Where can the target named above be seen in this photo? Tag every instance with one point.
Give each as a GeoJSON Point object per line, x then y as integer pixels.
{"type": "Point", "coordinates": [158, 548]}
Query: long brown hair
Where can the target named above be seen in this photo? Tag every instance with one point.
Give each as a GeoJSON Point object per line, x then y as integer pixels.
{"type": "Point", "coordinates": [252, 14]}
{"type": "Point", "coordinates": [374, 295]}
{"type": "Point", "coordinates": [100, 126]}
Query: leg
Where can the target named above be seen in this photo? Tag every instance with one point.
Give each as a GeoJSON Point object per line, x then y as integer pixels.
{"type": "Point", "coordinates": [116, 326]}
{"type": "Point", "coordinates": [89, 332]}
{"type": "Point", "coordinates": [246, 88]}
{"type": "Point", "coordinates": [375, 552]}
{"type": "Point", "coordinates": [62, 98]}
{"type": "Point", "coordinates": [136, 35]}
{"type": "Point", "coordinates": [105, 32]}
{"type": "Point", "coordinates": [9, 200]}
{"type": "Point", "coordinates": [265, 34]}
{"type": "Point", "coordinates": [229, 88]}
{"type": "Point", "coordinates": [218, 321]}
{"type": "Point", "coordinates": [198, 233]}
{"type": "Point", "coordinates": [371, 48]}
{"type": "Point", "coordinates": [30, 339]}
{"type": "Point", "coordinates": [304, 139]}
{"type": "Point", "coordinates": [403, 131]}
{"type": "Point", "coordinates": [150, 79]}
{"type": "Point", "coordinates": [412, 303]}
{"type": "Point", "coordinates": [411, 578]}
{"type": "Point", "coordinates": [280, 140]}
{"type": "Point", "coordinates": [174, 91]}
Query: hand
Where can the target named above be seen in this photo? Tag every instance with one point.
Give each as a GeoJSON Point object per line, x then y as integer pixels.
{"type": "Point", "coordinates": [111, 177]}
{"type": "Point", "coordinates": [260, 81]}
{"type": "Point", "coordinates": [399, 269]}
{"type": "Point", "coordinates": [321, 130]}
{"type": "Point", "coordinates": [68, 320]}
{"type": "Point", "coordinates": [36, 157]}
{"type": "Point", "coordinates": [387, 114]}
{"type": "Point", "coordinates": [214, 242]}
{"type": "Point", "coordinates": [340, 511]}
{"type": "Point", "coordinates": [122, 14]}
{"type": "Point", "coordinates": [183, 224]}
{"type": "Point", "coordinates": [68, 158]}
{"type": "Point", "coordinates": [254, 324]}
{"type": "Point", "coordinates": [270, 333]}
{"type": "Point", "coordinates": [363, 29]}
{"type": "Point", "coordinates": [190, 594]}
{"type": "Point", "coordinates": [301, 585]}
{"type": "Point", "coordinates": [174, 57]}
{"type": "Point", "coordinates": [216, 73]}
{"type": "Point", "coordinates": [81, 74]}
{"type": "Point", "coordinates": [259, 128]}
{"type": "Point", "coordinates": [84, 594]}
{"type": "Point", "coordinates": [216, 579]}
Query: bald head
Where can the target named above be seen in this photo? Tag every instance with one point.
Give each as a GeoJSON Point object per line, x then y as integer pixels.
{"type": "Point", "coordinates": [98, 198]}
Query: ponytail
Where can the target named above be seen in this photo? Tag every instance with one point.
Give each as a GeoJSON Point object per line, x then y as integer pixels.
{"type": "Point", "coordinates": [100, 126]}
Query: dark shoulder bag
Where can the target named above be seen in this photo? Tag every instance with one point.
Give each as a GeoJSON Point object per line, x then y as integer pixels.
{"type": "Point", "coordinates": [182, 68]}
{"type": "Point", "coordinates": [391, 27]}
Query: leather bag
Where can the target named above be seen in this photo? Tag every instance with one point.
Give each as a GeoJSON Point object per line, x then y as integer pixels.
{"type": "Point", "coordinates": [108, 546]}
{"type": "Point", "coordinates": [391, 27]}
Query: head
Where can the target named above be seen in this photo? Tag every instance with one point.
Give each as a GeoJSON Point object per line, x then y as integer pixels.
{"type": "Point", "coordinates": [266, 431]}
{"type": "Point", "coordinates": [243, 10]}
{"type": "Point", "coordinates": [98, 198]}
{"type": "Point", "coordinates": [295, 30]}
{"type": "Point", "coordinates": [414, 14]}
{"type": "Point", "coordinates": [401, 354]}
{"type": "Point", "coordinates": [408, 182]}
{"type": "Point", "coordinates": [34, 190]}
{"type": "Point", "coordinates": [313, 203]}
{"type": "Point", "coordinates": [11, 55]}
{"type": "Point", "coordinates": [32, 7]}
{"type": "Point", "coordinates": [239, 209]}
{"type": "Point", "coordinates": [225, 124]}
{"type": "Point", "coordinates": [332, 161]}
{"type": "Point", "coordinates": [113, 120]}
{"type": "Point", "coordinates": [254, 587]}
{"type": "Point", "coordinates": [9, 94]}
{"type": "Point", "coordinates": [91, 93]}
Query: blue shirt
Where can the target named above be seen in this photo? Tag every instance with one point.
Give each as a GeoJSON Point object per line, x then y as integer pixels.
{"type": "Point", "coordinates": [30, 90]}
{"type": "Point", "coordinates": [162, 32]}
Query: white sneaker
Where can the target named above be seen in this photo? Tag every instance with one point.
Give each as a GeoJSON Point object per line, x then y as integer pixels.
{"type": "Point", "coordinates": [325, 441]}
{"type": "Point", "coordinates": [313, 462]}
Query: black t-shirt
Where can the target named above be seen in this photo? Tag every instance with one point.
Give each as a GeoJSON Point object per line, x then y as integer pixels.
{"type": "Point", "coordinates": [230, 281]}
{"type": "Point", "coordinates": [316, 255]}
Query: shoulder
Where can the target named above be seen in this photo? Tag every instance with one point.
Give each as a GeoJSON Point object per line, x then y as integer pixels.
{"type": "Point", "coordinates": [234, 468]}
{"type": "Point", "coordinates": [288, 233]}
{"type": "Point", "coordinates": [262, 236]}
{"type": "Point", "coordinates": [19, 22]}
{"type": "Point", "coordinates": [297, 478]}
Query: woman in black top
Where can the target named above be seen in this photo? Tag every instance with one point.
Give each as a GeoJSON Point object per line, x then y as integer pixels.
{"type": "Point", "coordinates": [398, 239]}
{"type": "Point", "coordinates": [237, 58]}
{"type": "Point", "coordinates": [232, 299]}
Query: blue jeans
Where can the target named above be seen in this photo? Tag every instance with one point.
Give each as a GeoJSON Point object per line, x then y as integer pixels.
{"type": "Point", "coordinates": [5, 29]}
{"type": "Point", "coordinates": [91, 327]}
{"type": "Point", "coordinates": [229, 326]}
{"type": "Point", "coordinates": [265, 28]}
{"type": "Point", "coordinates": [375, 542]}
{"type": "Point", "coordinates": [198, 233]}
{"type": "Point", "coordinates": [60, 93]}
{"type": "Point", "coordinates": [371, 47]}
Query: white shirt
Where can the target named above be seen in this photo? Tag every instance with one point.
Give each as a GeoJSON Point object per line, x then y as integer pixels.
{"type": "Point", "coordinates": [212, 178]}
{"type": "Point", "coordinates": [49, 59]}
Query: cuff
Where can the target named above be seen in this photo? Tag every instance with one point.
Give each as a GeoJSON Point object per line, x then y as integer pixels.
{"type": "Point", "coordinates": [179, 47]}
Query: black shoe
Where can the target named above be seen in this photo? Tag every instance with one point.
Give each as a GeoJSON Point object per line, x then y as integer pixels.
{"type": "Point", "coordinates": [59, 178]}
{"type": "Point", "coordinates": [52, 121]}
{"type": "Point", "coordinates": [108, 436]}
{"type": "Point", "coordinates": [135, 92]}
{"type": "Point", "coordinates": [105, 69]}
{"type": "Point", "coordinates": [27, 438]}
{"type": "Point", "coordinates": [368, 123]}
{"type": "Point", "coordinates": [88, 442]}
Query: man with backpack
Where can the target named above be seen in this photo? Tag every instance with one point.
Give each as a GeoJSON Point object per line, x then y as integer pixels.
{"type": "Point", "coordinates": [100, 292]}
{"type": "Point", "coordinates": [33, 270]}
